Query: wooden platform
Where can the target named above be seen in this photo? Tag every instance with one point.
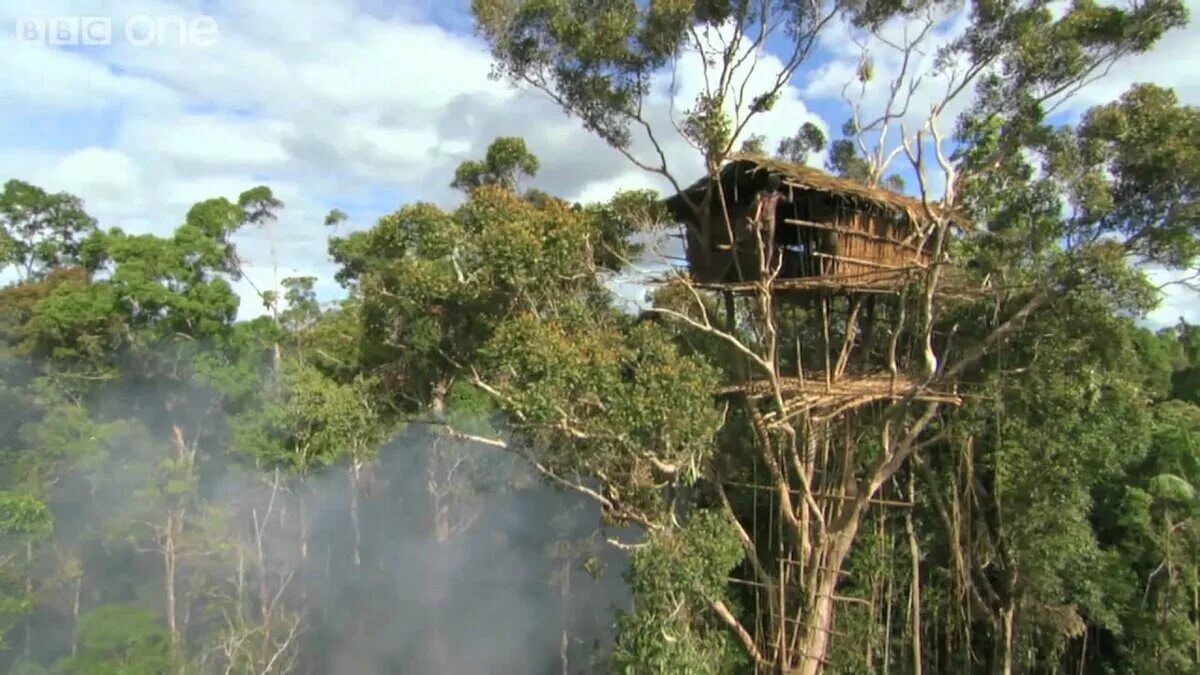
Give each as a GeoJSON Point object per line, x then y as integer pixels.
{"type": "Point", "coordinates": [877, 281]}
{"type": "Point", "coordinates": [846, 393]}
{"type": "Point", "coordinates": [889, 282]}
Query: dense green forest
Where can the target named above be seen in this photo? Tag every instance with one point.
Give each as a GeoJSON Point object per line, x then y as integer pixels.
{"type": "Point", "coordinates": [481, 460]}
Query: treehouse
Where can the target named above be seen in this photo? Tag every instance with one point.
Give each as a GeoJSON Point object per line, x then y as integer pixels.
{"type": "Point", "coordinates": [809, 229]}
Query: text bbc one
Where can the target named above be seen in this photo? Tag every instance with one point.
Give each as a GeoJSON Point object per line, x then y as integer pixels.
{"type": "Point", "coordinates": [137, 31]}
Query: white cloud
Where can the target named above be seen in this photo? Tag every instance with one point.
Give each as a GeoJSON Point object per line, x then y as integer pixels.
{"type": "Point", "coordinates": [110, 181]}
{"type": "Point", "coordinates": [358, 116]}
{"type": "Point", "coordinates": [200, 144]}
{"type": "Point", "coordinates": [332, 107]}
{"type": "Point", "coordinates": [601, 190]}
{"type": "Point", "coordinates": [1172, 63]}
{"type": "Point", "coordinates": [1179, 302]}
{"type": "Point", "coordinates": [106, 174]}
{"type": "Point", "coordinates": [38, 77]}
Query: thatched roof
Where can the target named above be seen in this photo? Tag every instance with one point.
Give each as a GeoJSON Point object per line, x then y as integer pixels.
{"type": "Point", "coordinates": [807, 178]}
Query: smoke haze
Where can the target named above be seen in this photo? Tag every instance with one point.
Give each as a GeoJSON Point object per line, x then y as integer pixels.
{"type": "Point", "coordinates": [466, 562]}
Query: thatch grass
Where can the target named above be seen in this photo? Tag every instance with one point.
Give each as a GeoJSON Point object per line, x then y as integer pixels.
{"type": "Point", "coordinates": [808, 178]}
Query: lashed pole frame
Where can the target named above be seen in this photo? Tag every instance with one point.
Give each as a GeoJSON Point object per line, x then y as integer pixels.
{"type": "Point", "coordinates": [806, 434]}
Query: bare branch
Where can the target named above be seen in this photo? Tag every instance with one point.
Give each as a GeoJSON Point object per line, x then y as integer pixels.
{"type": "Point", "coordinates": [739, 631]}
{"type": "Point", "coordinates": [744, 537]}
{"type": "Point", "coordinates": [707, 327]}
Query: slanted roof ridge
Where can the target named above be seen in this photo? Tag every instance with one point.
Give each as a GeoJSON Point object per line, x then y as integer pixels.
{"type": "Point", "coordinates": [811, 178]}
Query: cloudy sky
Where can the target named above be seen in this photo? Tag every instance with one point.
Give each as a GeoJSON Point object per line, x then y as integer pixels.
{"type": "Point", "coordinates": [361, 105]}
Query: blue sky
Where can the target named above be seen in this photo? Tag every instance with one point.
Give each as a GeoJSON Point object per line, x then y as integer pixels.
{"type": "Point", "coordinates": [361, 106]}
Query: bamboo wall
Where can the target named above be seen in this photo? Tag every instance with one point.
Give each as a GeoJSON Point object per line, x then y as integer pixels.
{"type": "Point", "coordinates": [815, 237]}
{"type": "Point", "coordinates": [868, 244]}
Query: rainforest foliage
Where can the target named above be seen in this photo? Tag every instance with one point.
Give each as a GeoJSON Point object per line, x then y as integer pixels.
{"type": "Point", "coordinates": [480, 458]}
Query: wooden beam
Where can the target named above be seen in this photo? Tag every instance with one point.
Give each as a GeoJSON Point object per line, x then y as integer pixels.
{"type": "Point", "coordinates": [868, 263]}
{"type": "Point", "coordinates": [852, 232]}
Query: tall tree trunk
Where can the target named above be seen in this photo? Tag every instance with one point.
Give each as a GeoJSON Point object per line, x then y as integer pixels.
{"type": "Point", "coordinates": [264, 593]}
{"type": "Point", "coordinates": [241, 586]}
{"type": "Point", "coordinates": [566, 666]}
{"type": "Point", "coordinates": [564, 610]}
{"type": "Point", "coordinates": [28, 639]}
{"type": "Point", "coordinates": [355, 467]}
{"type": "Point", "coordinates": [75, 604]}
{"type": "Point", "coordinates": [830, 556]}
{"type": "Point", "coordinates": [304, 534]}
{"type": "Point", "coordinates": [914, 550]}
{"type": "Point", "coordinates": [1196, 613]}
{"type": "Point", "coordinates": [169, 575]}
{"type": "Point", "coordinates": [1004, 662]}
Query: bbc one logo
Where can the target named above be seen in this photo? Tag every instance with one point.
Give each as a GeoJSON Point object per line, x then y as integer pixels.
{"type": "Point", "coordinates": [141, 30]}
